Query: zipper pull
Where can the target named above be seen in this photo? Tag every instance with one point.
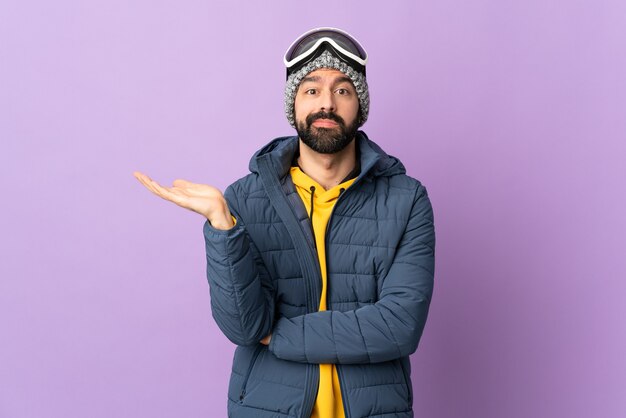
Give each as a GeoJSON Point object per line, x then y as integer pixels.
{"type": "Point", "coordinates": [242, 395]}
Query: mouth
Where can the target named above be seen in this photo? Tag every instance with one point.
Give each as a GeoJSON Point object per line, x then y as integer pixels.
{"type": "Point", "coordinates": [324, 123]}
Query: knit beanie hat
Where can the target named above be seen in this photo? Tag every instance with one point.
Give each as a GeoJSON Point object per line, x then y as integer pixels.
{"type": "Point", "coordinates": [326, 48]}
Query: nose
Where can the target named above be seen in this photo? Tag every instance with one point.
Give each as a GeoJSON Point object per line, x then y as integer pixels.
{"type": "Point", "coordinates": [327, 101]}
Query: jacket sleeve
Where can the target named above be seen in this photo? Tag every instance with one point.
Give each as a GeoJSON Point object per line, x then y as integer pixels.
{"type": "Point", "coordinates": [388, 329]}
{"type": "Point", "coordinates": [242, 301]}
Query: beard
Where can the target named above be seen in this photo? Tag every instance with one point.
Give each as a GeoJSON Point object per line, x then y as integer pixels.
{"type": "Point", "coordinates": [326, 140]}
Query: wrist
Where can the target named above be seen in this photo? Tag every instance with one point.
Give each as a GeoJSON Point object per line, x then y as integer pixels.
{"type": "Point", "coordinates": [221, 219]}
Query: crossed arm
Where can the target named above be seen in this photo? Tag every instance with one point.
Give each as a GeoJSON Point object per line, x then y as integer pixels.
{"type": "Point", "coordinates": [388, 329]}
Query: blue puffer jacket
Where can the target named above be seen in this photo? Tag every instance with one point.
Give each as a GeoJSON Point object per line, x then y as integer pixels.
{"type": "Point", "coordinates": [264, 277]}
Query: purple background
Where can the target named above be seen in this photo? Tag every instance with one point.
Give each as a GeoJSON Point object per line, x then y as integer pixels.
{"type": "Point", "coordinates": [513, 114]}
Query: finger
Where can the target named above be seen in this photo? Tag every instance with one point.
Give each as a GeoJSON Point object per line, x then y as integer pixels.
{"type": "Point", "coordinates": [139, 175]}
{"type": "Point", "coordinates": [166, 193]}
{"type": "Point", "coordinates": [187, 191]}
{"type": "Point", "coordinates": [180, 192]}
{"type": "Point", "coordinates": [150, 185]}
{"type": "Point", "coordinates": [183, 183]}
{"type": "Point", "coordinates": [177, 197]}
{"type": "Point", "coordinates": [153, 186]}
{"type": "Point", "coordinates": [170, 194]}
{"type": "Point", "coordinates": [145, 180]}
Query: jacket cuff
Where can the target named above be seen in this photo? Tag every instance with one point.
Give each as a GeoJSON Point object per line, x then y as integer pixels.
{"type": "Point", "coordinates": [209, 230]}
{"type": "Point", "coordinates": [225, 246]}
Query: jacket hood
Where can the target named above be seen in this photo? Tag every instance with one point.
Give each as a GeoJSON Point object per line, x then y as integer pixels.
{"type": "Point", "coordinates": [374, 161]}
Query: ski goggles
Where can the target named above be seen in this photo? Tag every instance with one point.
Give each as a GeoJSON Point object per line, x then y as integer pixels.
{"type": "Point", "coordinates": [303, 49]}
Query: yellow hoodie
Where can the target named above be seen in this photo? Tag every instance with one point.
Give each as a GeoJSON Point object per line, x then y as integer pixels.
{"type": "Point", "coordinates": [328, 403]}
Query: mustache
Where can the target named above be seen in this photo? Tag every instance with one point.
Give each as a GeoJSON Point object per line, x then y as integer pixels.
{"type": "Point", "coordinates": [324, 115]}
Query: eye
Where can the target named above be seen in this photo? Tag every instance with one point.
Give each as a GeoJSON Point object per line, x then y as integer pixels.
{"type": "Point", "coordinates": [310, 91]}
{"type": "Point", "coordinates": [343, 92]}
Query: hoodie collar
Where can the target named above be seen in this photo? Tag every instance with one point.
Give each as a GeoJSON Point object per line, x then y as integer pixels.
{"type": "Point", "coordinates": [352, 174]}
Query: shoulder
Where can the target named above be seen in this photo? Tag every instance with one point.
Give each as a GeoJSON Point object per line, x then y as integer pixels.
{"type": "Point", "coordinates": [404, 196]}
{"type": "Point", "coordinates": [245, 186]}
{"type": "Point", "coordinates": [399, 184]}
{"type": "Point", "coordinates": [404, 181]}
{"type": "Point", "coordinates": [414, 186]}
{"type": "Point", "coordinates": [246, 196]}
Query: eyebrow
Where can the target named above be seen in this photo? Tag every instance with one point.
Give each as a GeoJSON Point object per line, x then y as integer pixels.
{"type": "Point", "coordinates": [312, 79]}
{"type": "Point", "coordinates": [316, 79]}
{"type": "Point", "coordinates": [343, 80]}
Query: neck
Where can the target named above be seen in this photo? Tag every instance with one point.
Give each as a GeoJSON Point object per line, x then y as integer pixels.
{"type": "Point", "coordinates": [327, 169]}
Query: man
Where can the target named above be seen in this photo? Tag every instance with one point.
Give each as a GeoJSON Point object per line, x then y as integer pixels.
{"type": "Point", "coordinates": [321, 260]}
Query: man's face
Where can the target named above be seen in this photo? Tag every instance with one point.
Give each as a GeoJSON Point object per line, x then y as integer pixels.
{"type": "Point", "coordinates": [326, 110]}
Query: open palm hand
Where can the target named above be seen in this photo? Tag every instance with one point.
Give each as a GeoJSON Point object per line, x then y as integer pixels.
{"type": "Point", "coordinates": [201, 198]}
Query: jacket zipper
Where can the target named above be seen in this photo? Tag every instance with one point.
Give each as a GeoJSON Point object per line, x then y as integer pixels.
{"type": "Point", "coordinates": [270, 180]}
{"type": "Point", "coordinates": [279, 200]}
{"type": "Point", "coordinates": [256, 353]}
{"type": "Point", "coordinates": [342, 388]}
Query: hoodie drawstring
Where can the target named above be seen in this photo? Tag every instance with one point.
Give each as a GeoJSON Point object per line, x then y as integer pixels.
{"type": "Point", "coordinates": [312, 193]}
